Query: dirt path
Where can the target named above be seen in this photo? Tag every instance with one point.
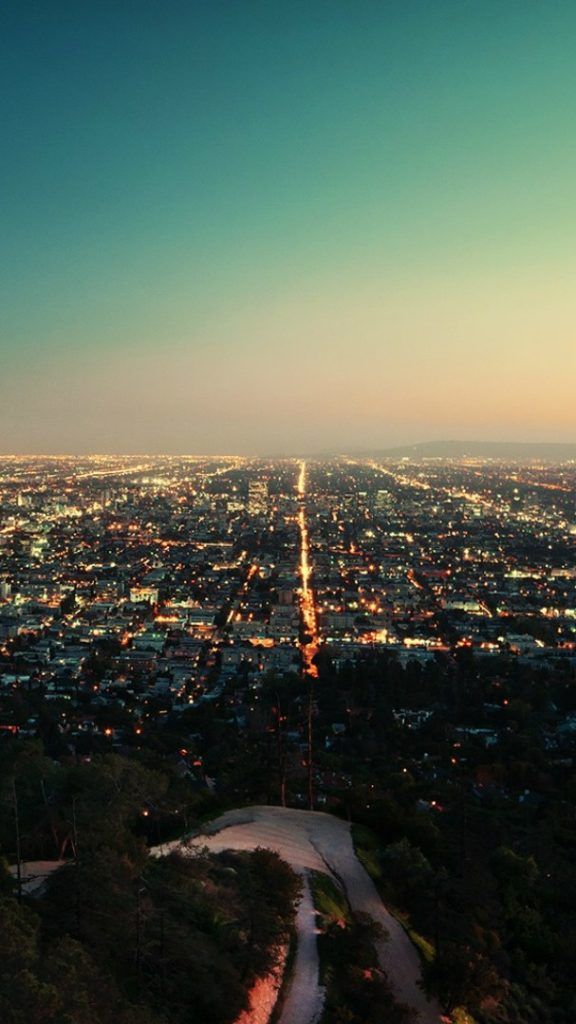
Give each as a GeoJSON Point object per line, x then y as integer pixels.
{"type": "Point", "coordinates": [312, 840]}
{"type": "Point", "coordinates": [255, 827]}
{"type": "Point", "coordinates": [305, 996]}
{"type": "Point", "coordinates": [308, 841]}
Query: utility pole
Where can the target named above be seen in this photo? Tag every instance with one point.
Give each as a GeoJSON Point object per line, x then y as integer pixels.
{"type": "Point", "coordinates": [138, 931]}
{"type": "Point", "coordinates": [76, 867]}
{"type": "Point", "coordinates": [139, 891]}
{"type": "Point", "coordinates": [18, 843]}
{"type": "Point", "coordinates": [50, 816]}
{"type": "Point", "coordinates": [310, 765]}
{"type": "Point", "coordinates": [138, 927]}
{"type": "Point", "coordinates": [281, 749]}
{"type": "Point", "coordinates": [162, 959]}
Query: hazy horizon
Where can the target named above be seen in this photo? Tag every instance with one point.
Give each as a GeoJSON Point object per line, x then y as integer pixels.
{"type": "Point", "coordinates": [364, 452]}
{"type": "Point", "coordinates": [286, 227]}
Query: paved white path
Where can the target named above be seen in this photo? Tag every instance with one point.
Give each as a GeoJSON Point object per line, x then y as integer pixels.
{"type": "Point", "coordinates": [312, 840]}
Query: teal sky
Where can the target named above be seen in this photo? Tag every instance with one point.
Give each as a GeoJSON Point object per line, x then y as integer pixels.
{"type": "Point", "coordinates": [259, 227]}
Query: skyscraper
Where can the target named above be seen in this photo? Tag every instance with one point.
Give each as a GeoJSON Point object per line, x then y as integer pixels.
{"type": "Point", "coordinates": [258, 497]}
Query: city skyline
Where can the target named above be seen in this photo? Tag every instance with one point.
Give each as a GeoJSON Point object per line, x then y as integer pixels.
{"type": "Point", "coordinates": [285, 229]}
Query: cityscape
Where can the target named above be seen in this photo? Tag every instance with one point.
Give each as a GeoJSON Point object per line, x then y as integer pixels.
{"type": "Point", "coordinates": [288, 512]}
{"type": "Point", "coordinates": [390, 640]}
{"type": "Point", "coordinates": [196, 573]}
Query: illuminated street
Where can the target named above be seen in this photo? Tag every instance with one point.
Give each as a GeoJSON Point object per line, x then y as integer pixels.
{"type": "Point", "coordinates": [309, 647]}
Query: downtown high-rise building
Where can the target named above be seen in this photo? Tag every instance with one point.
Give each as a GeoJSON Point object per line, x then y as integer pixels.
{"type": "Point", "coordinates": [258, 497]}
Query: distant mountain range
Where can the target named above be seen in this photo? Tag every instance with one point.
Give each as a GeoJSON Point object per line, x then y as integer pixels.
{"type": "Point", "coordinates": [548, 452]}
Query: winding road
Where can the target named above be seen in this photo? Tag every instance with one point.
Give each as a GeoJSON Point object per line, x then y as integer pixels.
{"type": "Point", "coordinates": [312, 840]}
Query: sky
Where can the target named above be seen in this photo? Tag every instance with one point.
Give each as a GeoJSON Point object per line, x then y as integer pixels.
{"type": "Point", "coordinates": [270, 227]}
